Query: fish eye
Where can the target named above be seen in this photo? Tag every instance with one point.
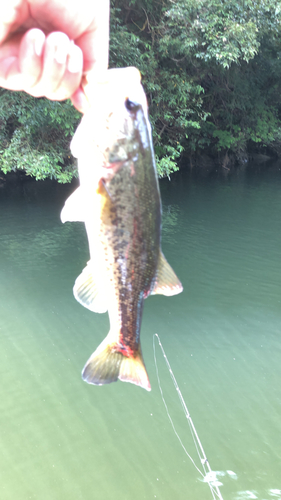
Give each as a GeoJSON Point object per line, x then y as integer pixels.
{"type": "Point", "coordinates": [131, 106]}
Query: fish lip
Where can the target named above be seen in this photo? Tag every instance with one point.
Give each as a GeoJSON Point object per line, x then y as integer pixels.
{"type": "Point", "coordinates": [111, 169]}
{"type": "Point", "coordinates": [114, 165]}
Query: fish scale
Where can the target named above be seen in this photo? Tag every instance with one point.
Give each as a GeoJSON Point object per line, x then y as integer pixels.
{"type": "Point", "coordinates": [133, 245]}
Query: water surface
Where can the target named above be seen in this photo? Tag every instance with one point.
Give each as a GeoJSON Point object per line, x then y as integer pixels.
{"type": "Point", "coordinates": [61, 438]}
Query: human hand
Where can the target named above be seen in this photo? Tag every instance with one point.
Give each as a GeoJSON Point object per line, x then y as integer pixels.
{"type": "Point", "coordinates": [46, 46]}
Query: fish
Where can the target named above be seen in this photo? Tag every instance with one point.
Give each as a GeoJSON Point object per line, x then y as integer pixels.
{"type": "Point", "coordinates": [118, 199]}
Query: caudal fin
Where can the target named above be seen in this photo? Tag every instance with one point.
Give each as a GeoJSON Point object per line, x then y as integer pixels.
{"type": "Point", "coordinates": [107, 365]}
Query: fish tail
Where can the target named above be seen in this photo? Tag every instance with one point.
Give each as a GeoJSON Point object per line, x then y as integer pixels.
{"type": "Point", "coordinates": [107, 364]}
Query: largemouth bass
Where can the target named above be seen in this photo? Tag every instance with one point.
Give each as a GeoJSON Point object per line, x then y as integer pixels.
{"type": "Point", "coordinates": [119, 201]}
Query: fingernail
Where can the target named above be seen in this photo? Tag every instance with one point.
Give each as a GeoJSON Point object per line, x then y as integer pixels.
{"type": "Point", "coordinates": [39, 44]}
{"type": "Point", "coordinates": [75, 60]}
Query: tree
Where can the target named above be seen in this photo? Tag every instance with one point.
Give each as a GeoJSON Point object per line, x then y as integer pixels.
{"type": "Point", "coordinates": [35, 135]}
{"type": "Point", "coordinates": [211, 71]}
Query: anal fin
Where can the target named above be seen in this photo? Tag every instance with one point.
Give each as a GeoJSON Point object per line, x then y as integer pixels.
{"type": "Point", "coordinates": [167, 282]}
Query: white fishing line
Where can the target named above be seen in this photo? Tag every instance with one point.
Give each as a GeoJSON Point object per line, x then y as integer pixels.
{"type": "Point", "coordinates": [209, 476]}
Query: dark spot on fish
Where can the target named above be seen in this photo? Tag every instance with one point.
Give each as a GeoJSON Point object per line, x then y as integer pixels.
{"type": "Point", "coordinates": [120, 245]}
{"type": "Point", "coordinates": [116, 221]}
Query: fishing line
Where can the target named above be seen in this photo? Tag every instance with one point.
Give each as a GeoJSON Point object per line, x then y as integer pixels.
{"type": "Point", "coordinates": [208, 476]}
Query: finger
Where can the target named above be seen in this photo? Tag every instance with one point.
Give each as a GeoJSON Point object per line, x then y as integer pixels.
{"type": "Point", "coordinates": [55, 55]}
{"type": "Point", "coordinates": [13, 13]}
{"type": "Point", "coordinates": [20, 60]}
{"type": "Point", "coordinates": [72, 76]}
{"type": "Point", "coordinates": [94, 41]}
{"type": "Point", "coordinates": [30, 57]}
{"type": "Point", "coordinates": [62, 68]}
{"type": "Point", "coordinates": [10, 76]}
{"type": "Point", "coordinates": [55, 74]}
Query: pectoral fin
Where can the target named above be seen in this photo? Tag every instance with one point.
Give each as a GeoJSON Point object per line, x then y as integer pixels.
{"type": "Point", "coordinates": [74, 207]}
{"type": "Point", "coordinates": [88, 293]}
{"type": "Point", "coordinates": [167, 282]}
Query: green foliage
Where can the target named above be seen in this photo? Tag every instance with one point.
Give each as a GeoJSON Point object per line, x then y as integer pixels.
{"type": "Point", "coordinates": [175, 101]}
{"type": "Point", "coordinates": [35, 136]}
{"type": "Point", "coordinates": [167, 164]}
{"type": "Point", "coordinates": [224, 32]}
{"type": "Point", "coordinates": [211, 70]}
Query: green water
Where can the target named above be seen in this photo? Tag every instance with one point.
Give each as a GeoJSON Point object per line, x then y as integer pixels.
{"type": "Point", "coordinates": [63, 439]}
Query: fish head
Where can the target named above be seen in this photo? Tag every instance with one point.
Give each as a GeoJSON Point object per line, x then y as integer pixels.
{"type": "Point", "coordinates": [115, 125]}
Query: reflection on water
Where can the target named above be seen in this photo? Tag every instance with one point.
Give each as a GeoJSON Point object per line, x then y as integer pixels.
{"type": "Point", "coordinates": [170, 214]}
{"type": "Point", "coordinates": [61, 438]}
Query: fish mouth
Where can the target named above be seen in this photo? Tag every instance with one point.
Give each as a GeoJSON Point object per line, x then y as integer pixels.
{"type": "Point", "coordinates": [111, 169]}
{"type": "Point", "coordinates": [113, 165]}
